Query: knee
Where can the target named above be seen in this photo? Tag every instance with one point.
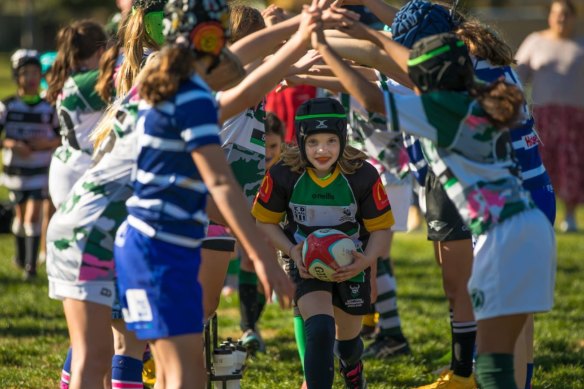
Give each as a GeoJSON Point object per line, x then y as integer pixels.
{"type": "Point", "coordinates": [320, 331]}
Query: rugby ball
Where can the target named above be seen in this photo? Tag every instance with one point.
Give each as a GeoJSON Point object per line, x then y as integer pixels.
{"type": "Point", "coordinates": [325, 250]}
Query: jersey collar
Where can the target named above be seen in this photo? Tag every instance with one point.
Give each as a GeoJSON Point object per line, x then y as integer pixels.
{"type": "Point", "coordinates": [320, 182]}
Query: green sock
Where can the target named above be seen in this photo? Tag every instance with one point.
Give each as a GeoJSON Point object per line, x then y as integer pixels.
{"type": "Point", "coordinates": [495, 371]}
{"type": "Point", "coordinates": [300, 337]}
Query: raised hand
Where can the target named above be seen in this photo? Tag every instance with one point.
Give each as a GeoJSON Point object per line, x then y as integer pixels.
{"type": "Point", "coordinates": [304, 64]}
{"type": "Point", "coordinates": [335, 17]}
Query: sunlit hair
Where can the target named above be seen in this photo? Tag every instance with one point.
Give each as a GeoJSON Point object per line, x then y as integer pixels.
{"type": "Point", "coordinates": [244, 20]}
{"type": "Point", "coordinates": [136, 40]}
{"type": "Point", "coordinates": [75, 43]}
{"type": "Point", "coordinates": [106, 123]}
{"type": "Point", "coordinates": [105, 86]}
{"type": "Point", "coordinates": [501, 101]}
{"type": "Point", "coordinates": [484, 42]}
{"type": "Point", "coordinates": [351, 160]}
{"type": "Point", "coordinates": [162, 82]}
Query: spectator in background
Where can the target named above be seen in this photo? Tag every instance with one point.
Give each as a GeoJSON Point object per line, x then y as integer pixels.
{"type": "Point", "coordinates": [552, 60]}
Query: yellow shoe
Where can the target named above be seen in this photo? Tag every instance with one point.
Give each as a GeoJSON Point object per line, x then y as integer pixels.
{"type": "Point", "coordinates": [448, 380]}
{"type": "Point", "coordinates": [149, 373]}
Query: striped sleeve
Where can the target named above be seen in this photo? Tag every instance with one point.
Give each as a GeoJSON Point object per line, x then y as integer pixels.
{"type": "Point", "coordinates": [197, 119]}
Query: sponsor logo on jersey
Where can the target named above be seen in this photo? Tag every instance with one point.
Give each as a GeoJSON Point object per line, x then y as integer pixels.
{"type": "Point", "coordinates": [347, 216]}
{"type": "Point", "coordinates": [265, 191]}
{"type": "Point", "coordinates": [323, 196]}
{"type": "Point", "coordinates": [299, 212]}
{"type": "Point", "coordinates": [530, 141]}
{"type": "Point", "coordinates": [380, 195]}
{"type": "Point", "coordinates": [258, 137]}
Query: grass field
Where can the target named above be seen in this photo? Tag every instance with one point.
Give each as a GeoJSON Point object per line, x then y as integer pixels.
{"type": "Point", "coordinates": [33, 333]}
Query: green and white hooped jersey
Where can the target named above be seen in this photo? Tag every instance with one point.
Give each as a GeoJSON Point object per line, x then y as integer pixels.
{"type": "Point", "coordinates": [472, 159]}
{"type": "Point", "coordinates": [356, 204]}
{"type": "Point", "coordinates": [79, 108]}
{"type": "Point", "coordinates": [80, 238]}
{"type": "Point", "coordinates": [243, 140]}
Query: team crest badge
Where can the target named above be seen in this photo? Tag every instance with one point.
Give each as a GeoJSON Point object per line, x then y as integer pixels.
{"type": "Point", "coordinates": [266, 189]}
{"type": "Point", "coordinates": [380, 196]}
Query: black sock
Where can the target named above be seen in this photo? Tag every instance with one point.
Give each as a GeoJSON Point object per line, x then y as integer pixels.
{"type": "Point", "coordinates": [463, 341]}
{"type": "Point", "coordinates": [261, 305]}
{"type": "Point", "coordinates": [248, 300]}
{"type": "Point", "coordinates": [32, 244]}
{"type": "Point", "coordinates": [318, 358]}
{"type": "Point", "coordinates": [349, 351]}
{"type": "Point", "coordinates": [20, 250]}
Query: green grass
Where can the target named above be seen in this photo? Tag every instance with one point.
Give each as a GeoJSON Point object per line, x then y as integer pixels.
{"type": "Point", "coordinates": [33, 334]}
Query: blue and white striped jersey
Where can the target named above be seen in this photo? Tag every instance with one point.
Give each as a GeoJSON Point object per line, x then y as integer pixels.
{"type": "Point", "coordinates": [169, 196]}
{"type": "Point", "coordinates": [524, 138]}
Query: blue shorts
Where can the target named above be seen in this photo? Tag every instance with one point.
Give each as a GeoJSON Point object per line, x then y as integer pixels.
{"type": "Point", "coordinates": [545, 199]}
{"type": "Point", "coordinates": [158, 285]}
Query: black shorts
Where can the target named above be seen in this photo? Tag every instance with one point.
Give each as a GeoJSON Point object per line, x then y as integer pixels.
{"type": "Point", "coordinates": [443, 220]}
{"type": "Point", "coordinates": [21, 196]}
{"type": "Point", "coordinates": [353, 298]}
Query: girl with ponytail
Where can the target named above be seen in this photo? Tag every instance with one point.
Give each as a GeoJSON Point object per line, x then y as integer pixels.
{"type": "Point", "coordinates": [463, 125]}
{"type": "Point", "coordinates": [72, 80]}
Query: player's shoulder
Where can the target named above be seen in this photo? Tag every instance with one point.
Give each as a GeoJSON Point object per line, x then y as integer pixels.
{"type": "Point", "coordinates": [283, 174]}
{"type": "Point", "coordinates": [364, 174]}
{"type": "Point", "coordinates": [7, 101]}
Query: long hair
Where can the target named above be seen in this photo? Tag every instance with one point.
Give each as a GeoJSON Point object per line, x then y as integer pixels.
{"type": "Point", "coordinates": [75, 43]}
{"type": "Point", "coordinates": [351, 160]}
{"type": "Point", "coordinates": [105, 126]}
{"type": "Point", "coordinates": [484, 42]}
{"type": "Point", "coordinates": [135, 40]}
{"type": "Point", "coordinates": [162, 82]}
{"type": "Point", "coordinates": [501, 101]}
{"type": "Point", "coordinates": [105, 86]}
{"type": "Point", "coordinates": [244, 20]}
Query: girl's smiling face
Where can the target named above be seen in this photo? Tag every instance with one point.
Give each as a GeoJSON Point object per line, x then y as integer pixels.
{"type": "Point", "coordinates": [322, 151]}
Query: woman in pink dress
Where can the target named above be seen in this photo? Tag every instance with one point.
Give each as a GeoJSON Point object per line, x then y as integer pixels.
{"type": "Point", "coordinates": [552, 61]}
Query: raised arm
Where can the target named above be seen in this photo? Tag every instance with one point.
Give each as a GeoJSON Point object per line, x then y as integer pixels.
{"type": "Point", "coordinates": [366, 93]}
{"type": "Point", "coordinates": [223, 187]}
{"type": "Point", "coordinates": [263, 79]}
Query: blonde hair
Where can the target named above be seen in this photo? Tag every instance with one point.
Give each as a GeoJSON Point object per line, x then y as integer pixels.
{"type": "Point", "coordinates": [105, 86]}
{"type": "Point", "coordinates": [351, 160]}
{"type": "Point", "coordinates": [135, 39]}
{"type": "Point", "coordinates": [105, 125]}
{"type": "Point", "coordinates": [244, 20]}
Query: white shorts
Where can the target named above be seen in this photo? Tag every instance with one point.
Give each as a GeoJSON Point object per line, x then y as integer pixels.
{"type": "Point", "coordinates": [63, 175]}
{"type": "Point", "coordinates": [99, 292]}
{"type": "Point", "coordinates": [514, 267]}
{"type": "Point", "coordinates": [400, 198]}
